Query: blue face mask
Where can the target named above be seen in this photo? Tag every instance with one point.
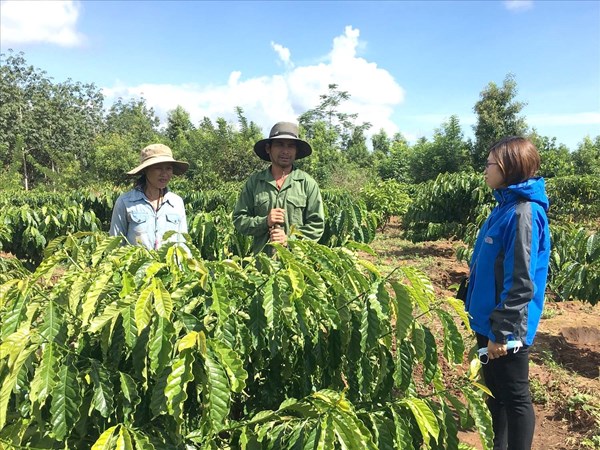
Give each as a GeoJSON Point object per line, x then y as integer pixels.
{"type": "Point", "coordinates": [482, 353]}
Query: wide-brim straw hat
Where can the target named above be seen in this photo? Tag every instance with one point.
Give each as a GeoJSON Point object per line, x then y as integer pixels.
{"type": "Point", "coordinates": [283, 130]}
{"type": "Point", "coordinates": [156, 154]}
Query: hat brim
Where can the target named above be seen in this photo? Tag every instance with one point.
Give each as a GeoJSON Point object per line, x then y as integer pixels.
{"type": "Point", "coordinates": [303, 148]}
{"type": "Point", "coordinates": [179, 167]}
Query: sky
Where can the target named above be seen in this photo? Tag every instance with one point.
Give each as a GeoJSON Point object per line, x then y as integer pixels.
{"type": "Point", "coordinates": [407, 66]}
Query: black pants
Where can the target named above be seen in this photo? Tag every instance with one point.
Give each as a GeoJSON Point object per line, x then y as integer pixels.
{"type": "Point", "coordinates": [511, 408]}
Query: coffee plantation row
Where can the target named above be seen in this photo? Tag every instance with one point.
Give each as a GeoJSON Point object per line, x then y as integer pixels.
{"type": "Point", "coordinates": [104, 346]}
{"type": "Point", "coordinates": [452, 206]}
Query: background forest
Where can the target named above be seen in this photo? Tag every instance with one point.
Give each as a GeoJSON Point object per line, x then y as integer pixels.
{"type": "Point", "coordinates": [59, 135]}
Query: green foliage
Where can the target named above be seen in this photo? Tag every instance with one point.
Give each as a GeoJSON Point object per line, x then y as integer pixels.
{"type": "Point", "coordinates": [11, 178]}
{"type": "Point", "coordinates": [27, 230]}
{"type": "Point", "coordinates": [56, 122]}
{"type": "Point", "coordinates": [29, 220]}
{"type": "Point", "coordinates": [556, 161]}
{"type": "Point", "coordinates": [397, 165]}
{"type": "Point", "coordinates": [214, 235]}
{"type": "Point", "coordinates": [444, 207]}
{"type": "Point", "coordinates": [219, 153]}
{"type": "Point", "coordinates": [128, 127]}
{"type": "Point", "coordinates": [386, 199]}
{"type": "Point", "coordinates": [587, 157]}
{"type": "Point", "coordinates": [497, 117]}
{"type": "Point", "coordinates": [357, 152]}
{"type": "Point", "coordinates": [179, 124]}
{"type": "Point", "coordinates": [328, 112]}
{"type": "Point", "coordinates": [448, 153]}
{"type": "Point", "coordinates": [346, 219]}
{"type": "Point", "coordinates": [575, 264]}
{"type": "Point", "coordinates": [334, 137]}
{"type": "Point", "coordinates": [574, 199]}
{"type": "Point", "coordinates": [130, 348]}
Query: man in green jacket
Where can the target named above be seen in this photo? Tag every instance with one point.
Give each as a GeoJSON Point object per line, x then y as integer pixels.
{"type": "Point", "coordinates": [281, 198]}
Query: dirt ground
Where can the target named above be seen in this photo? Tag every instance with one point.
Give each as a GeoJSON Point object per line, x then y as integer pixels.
{"type": "Point", "coordinates": [565, 358]}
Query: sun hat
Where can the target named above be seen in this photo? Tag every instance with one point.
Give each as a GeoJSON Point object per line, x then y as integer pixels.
{"type": "Point", "coordinates": [283, 130]}
{"type": "Point", "coordinates": [156, 154]}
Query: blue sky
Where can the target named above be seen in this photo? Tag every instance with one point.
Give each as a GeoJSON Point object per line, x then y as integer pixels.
{"type": "Point", "coordinates": [408, 66]}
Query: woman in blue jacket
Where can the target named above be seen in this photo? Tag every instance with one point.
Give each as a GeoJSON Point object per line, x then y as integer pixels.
{"type": "Point", "coordinates": [508, 274]}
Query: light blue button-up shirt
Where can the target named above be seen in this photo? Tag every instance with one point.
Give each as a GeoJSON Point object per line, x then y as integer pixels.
{"type": "Point", "coordinates": [134, 217]}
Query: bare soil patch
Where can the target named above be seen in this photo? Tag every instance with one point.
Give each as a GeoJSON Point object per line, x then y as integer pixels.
{"type": "Point", "coordinates": [565, 358]}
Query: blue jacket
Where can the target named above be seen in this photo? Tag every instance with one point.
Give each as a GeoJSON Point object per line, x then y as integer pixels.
{"type": "Point", "coordinates": [509, 266]}
{"type": "Point", "coordinates": [134, 218]}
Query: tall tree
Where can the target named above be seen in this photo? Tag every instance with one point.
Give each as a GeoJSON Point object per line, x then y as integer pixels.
{"type": "Point", "coordinates": [357, 152]}
{"type": "Point", "coordinates": [222, 152]}
{"type": "Point", "coordinates": [133, 118]}
{"type": "Point", "coordinates": [178, 124]}
{"type": "Point", "coordinates": [497, 116]}
{"type": "Point", "coordinates": [556, 160]}
{"type": "Point", "coordinates": [128, 127]}
{"type": "Point", "coordinates": [587, 157]}
{"type": "Point", "coordinates": [57, 122]}
{"type": "Point", "coordinates": [450, 150]}
{"type": "Point", "coordinates": [329, 112]}
{"type": "Point", "coordinates": [420, 163]}
{"type": "Point", "coordinates": [332, 133]}
{"type": "Point", "coordinates": [397, 165]}
{"type": "Point", "coordinates": [447, 153]}
{"type": "Point", "coordinates": [326, 156]}
{"type": "Point", "coordinates": [381, 143]}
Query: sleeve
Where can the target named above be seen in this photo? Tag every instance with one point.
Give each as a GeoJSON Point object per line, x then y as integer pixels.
{"type": "Point", "coordinates": [244, 220]}
{"type": "Point", "coordinates": [118, 222]}
{"type": "Point", "coordinates": [509, 319]}
{"type": "Point", "coordinates": [183, 228]}
{"type": "Point", "coordinates": [314, 220]}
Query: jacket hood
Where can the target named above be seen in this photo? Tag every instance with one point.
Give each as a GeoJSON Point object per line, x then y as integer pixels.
{"type": "Point", "coordinates": [533, 190]}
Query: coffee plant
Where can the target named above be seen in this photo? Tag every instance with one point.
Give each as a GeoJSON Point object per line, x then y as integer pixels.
{"type": "Point", "coordinates": [444, 207]}
{"type": "Point", "coordinates": [575, 264]}
{"type": "Point", "coordinates": [386, 199]}
{"type": "Point", "coordinates": [111, 347]}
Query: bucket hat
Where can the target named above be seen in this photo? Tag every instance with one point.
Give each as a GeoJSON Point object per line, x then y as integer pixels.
{"type": "Point", "coordinates": [283, 130]}
{"type": "Point", "coordinates": [156, 154]}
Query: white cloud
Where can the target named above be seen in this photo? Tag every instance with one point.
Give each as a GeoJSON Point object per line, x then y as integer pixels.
{"type": "Point", "coordinates": [268, 99]}
{"type": "Point", "coordinates": [283, 53]}
{"type": "Point", "coordinates": [52, 22]}
{"type": "Point", "coordinates": [518, 5]}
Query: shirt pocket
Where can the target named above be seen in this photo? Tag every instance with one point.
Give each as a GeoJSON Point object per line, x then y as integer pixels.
{"type": "Point", "coordinates": [296, 206]}
{"type": "Point", "coordinates": [173, 219]}
{"type": "Point", "coordinates": [138, 223]}
{"type": "Point", "coordinates": [261, 204]}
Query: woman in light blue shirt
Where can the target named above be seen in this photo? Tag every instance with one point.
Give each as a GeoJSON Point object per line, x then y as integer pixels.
{"type": "Point", "coordinates": [144, 214]}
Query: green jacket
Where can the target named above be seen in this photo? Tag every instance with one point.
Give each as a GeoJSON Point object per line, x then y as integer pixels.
{"type": "Point", "coordinates": [299, 196]}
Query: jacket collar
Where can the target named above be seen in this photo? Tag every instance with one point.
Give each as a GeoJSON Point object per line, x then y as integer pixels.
{"type": "Point", "coordinates": [295, 174]}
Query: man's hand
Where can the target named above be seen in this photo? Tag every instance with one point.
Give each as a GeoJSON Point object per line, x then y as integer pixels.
{"type": "Point", "coordinates": [277, 234]}
{"type": "Point", "coordinates": [496, 350]}
{"type": "Point", "coordinates": [276, 217]}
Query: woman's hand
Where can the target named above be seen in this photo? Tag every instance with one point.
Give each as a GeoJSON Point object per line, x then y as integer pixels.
{"type": "Point", "coordinates": [496, 350]}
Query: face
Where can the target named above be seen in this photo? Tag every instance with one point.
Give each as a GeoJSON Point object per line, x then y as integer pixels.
{"type": "Point", "coordinates": [494, 177]}
{"type": "Point", "coordinates": [159, 175]}
{"type": "Point", "coordinates": [282, 152]}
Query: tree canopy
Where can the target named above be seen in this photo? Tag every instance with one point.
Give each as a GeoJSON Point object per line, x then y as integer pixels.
{"type": "Point", "coordinates": [59, 134]}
